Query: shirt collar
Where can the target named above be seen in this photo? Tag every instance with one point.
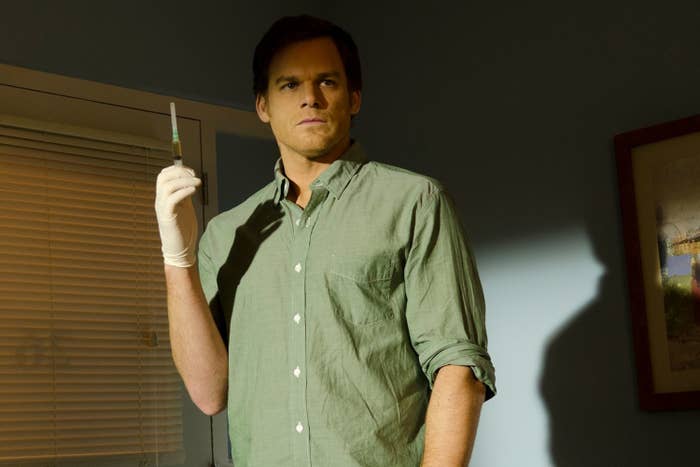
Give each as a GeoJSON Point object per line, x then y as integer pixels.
{"type": "Point", "coordinates": [335, 178]}
{"type": "Point", "coordinates": [281, 182]}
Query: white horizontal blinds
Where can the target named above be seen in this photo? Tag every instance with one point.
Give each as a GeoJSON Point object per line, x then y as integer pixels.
{"type": "Point", "coordinates": [85, 365]}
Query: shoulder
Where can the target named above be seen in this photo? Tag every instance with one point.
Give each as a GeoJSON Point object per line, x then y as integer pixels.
{"type": "Point", "coordinates": [404, 183]}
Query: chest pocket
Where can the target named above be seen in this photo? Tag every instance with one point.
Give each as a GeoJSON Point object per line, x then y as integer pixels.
{"type": "Point", "coordinates": [361, 288]}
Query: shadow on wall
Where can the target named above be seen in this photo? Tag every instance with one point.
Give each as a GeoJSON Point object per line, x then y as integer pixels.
{"type": "Point", "coordinates": [589, 388]}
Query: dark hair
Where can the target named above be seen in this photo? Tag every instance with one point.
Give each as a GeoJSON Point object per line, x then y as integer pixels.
{"type": "Point", "coordinates": [290, 29]}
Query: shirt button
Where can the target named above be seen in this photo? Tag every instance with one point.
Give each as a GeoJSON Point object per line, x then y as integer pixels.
{"type": "Point", "coordinates": [299, 427]}
{"type": "Point", "coordinates": [308, 221]}
{"type": "Point", "coordinates": [297, 318]}
{"type": "Point", "coordinates": [297, 372]}
{"type": "Point", "coordinates": [297, 221]}
{"type": "Point", "coordinates": [297, 268]}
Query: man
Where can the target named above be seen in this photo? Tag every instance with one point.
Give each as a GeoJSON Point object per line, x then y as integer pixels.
{"type": "Point", "coordinates": [340, 316]}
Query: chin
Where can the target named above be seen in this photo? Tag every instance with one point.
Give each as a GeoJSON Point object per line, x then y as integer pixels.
{"type": "Point", "coordinates": [313, 146]}
{"type": "Point", "coordinates": [315, 153]}
{"type": "Point", "coordinates": [316, 149]}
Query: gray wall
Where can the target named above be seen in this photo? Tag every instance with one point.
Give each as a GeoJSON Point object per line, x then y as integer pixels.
{"type": "Point", "coordinates": [513, 107]}
{"type": "Point", "coordinates": [198, 50]}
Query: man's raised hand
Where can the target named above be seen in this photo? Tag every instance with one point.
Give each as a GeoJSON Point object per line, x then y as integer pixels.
{"type": "Point", "coordinates": [177, 222]}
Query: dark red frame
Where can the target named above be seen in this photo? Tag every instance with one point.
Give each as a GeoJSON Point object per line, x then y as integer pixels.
{"type": "Point", "coordinates": [624, 143]}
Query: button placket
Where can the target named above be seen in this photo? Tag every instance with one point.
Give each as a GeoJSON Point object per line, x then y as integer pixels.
{"type": "Point", "coordinates": [297, 329]}
{"type": "Point", "coordinates": [301, 239]}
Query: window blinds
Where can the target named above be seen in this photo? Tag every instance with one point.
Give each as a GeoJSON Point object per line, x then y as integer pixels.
{"type": "Point", "coordinates": [85, 365]}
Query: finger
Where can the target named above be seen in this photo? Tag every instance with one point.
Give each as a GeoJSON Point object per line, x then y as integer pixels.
{"type": "Point", "coordinates": [177, 197]}
{"type": "Point", "coordinates": [176, 167]}
{"type": "Point", "coordinates": [173, 171]}
{"type": "Point", "coordinates": [171, 186]}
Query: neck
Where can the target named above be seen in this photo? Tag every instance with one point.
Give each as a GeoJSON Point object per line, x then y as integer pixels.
{"type": "Point", "coordinates": [302, 170]}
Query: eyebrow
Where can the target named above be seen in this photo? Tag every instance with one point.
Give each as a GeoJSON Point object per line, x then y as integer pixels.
{"type": "Point", "coordinates": [327, 74]}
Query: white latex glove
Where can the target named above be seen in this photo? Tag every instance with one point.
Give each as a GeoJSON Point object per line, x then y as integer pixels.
{"type": "Point", "coordinates": [177, 222]}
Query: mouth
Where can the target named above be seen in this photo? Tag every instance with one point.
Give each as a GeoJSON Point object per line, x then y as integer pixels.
{"type": "Point", "coordinates": [311, 121]}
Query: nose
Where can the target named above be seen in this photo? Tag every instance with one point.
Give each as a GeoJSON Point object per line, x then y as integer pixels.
{"type": "Point", "coordinates": [312, 96]}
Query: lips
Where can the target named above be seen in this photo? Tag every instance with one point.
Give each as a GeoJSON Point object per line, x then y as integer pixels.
{"type": "Point", "coordinates": [311, 120]}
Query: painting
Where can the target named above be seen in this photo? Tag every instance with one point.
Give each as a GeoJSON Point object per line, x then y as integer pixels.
{"type": "Point", "coordinates": [659, 182]}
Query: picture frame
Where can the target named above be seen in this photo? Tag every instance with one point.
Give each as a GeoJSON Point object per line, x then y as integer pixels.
{"type": "Point", "coordinates": [658, 170]}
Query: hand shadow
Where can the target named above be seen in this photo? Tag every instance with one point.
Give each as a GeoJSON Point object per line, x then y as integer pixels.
{"type": "Point", "coordinates": [589, 386]}
{"type": "Point", "coordinates": [265, 219]}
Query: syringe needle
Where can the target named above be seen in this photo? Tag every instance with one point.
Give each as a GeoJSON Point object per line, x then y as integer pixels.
{"type": "Point", "coordinates": [177, 149]}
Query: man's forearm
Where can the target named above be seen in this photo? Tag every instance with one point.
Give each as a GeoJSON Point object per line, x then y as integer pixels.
{"type": "Point", "coordinates": [198, 350]}
{"type": "Point", "coordinates": [452, 417]}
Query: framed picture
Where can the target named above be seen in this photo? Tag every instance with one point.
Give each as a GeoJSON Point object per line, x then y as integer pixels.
{"type": "Point", "coordinates": [659, 181]}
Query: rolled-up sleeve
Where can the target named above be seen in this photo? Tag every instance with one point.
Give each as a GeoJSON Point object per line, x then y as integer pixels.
{"type": "Point", "coordinates": [445, 310]}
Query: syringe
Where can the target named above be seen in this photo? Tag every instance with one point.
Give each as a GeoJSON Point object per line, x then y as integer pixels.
{"type": "Point", "coordinates": [177, 149]}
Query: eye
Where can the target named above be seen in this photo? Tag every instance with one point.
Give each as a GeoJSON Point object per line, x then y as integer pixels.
{"type": "Point", "coordinates": [328, 82]}
{"type": "Point", "coordinates": [290, 85]}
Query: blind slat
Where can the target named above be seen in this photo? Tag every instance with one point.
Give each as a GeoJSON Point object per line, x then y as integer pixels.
{"type": "Point", "coordinates": [74, 186]}
{"type": "Point", "coordinates": [30, 137]}
{"type": "Point", "coordinates": [78, 165]}
{"type": "Point", "coordinates": [37, 128]}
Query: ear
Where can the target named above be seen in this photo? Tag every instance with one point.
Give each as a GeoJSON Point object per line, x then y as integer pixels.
{"type": "Point", "coordinates": [355, 102]}
{"type": "Point", "coordinates": [261, 108]}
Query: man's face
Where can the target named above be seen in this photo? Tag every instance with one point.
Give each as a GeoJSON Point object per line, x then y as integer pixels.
{"type": "Point", "coordinates": [307, 81]}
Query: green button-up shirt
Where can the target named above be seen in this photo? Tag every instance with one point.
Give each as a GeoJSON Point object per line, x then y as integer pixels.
{"type": "Point", "coordinates": [338, 315]}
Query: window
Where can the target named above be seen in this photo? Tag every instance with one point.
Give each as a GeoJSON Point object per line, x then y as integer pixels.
{"type": "Point", "coordinates": [85, 366]}
{"type": "Point", "coordinates": [83, 331]}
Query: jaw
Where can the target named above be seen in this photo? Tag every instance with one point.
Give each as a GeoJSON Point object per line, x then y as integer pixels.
{"type": "Point", "coordinates": [314, 146]}
{"type": "Point", "coordinates": [311, 141]}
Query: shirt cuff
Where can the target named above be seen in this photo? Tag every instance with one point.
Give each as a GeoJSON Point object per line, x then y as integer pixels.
{"type": "Point", "coordinates": [464, 354]}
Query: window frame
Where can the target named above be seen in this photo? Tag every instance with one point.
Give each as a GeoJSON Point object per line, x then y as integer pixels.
{"type": "Point", "coordinates": [213, 120]}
